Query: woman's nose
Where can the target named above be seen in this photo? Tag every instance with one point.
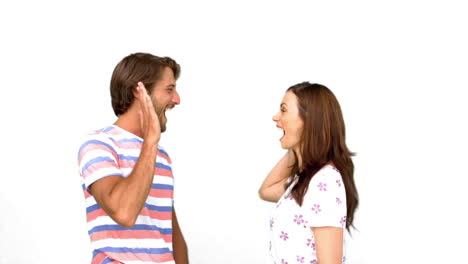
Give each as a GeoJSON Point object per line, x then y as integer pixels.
{"type": "Point", "coordinates": [275, 118]}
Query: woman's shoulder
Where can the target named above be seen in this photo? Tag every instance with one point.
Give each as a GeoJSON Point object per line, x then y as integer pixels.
{"type": "Point", "coordinates": [327, 172]}
{"type": "Point", "coordinates": [327, 181]}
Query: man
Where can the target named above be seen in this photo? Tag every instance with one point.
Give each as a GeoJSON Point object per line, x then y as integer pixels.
{"type": "Point", "coordinates": [127, 177]}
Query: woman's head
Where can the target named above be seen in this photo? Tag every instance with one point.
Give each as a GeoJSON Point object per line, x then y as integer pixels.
{"type": "Point", "coordinates": [314, 129]}
{"type": "Point", "coordinates": [310, 115]}
{"type": "Point", "coordinates": [323, 129]}
{"type": "Point", "coordinates": [290, 121]}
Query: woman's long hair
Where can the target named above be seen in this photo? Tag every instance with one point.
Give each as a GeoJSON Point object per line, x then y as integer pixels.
{"type": "Point", "coordinates": [323, 141]}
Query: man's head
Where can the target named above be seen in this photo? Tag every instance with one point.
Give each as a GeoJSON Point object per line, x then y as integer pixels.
{"type": "Point", "coordinates": [158, 74]}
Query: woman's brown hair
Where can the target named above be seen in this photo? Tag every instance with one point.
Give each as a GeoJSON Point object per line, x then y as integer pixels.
{"type": "Point", "coordinates": [323, 141]}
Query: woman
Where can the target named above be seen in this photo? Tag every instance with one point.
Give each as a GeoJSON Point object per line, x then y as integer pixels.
{"type": "Point", "coordinates": [313, 183]}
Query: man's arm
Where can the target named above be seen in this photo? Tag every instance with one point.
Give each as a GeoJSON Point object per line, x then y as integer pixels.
{"type": "Point", "coordinates": [273, 186]}
{"type": "Point", "coordinates": [123, 198]}
{"type": "Point", "coordinates": [178, 242]}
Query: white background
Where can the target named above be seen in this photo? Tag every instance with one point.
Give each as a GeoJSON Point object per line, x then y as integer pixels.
{"type": "Point", "coordinates": [398, 68]}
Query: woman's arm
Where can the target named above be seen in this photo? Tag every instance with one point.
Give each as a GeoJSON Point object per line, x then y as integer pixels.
{"type": "Point", "coordinates": [329, 244]}
{"type": "Point", "coordinates": [273, 186]}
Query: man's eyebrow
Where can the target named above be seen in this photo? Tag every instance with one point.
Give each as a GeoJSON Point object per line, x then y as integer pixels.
{"type": "Point", "coordinates": [170, 85]}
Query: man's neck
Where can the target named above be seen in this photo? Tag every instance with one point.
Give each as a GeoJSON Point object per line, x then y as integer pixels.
{"type": "Point", "coordinates": [130, 121]}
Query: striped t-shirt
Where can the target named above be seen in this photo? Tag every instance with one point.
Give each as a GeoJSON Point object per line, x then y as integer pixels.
{"type": "Point", "coordinates": [114, 151]}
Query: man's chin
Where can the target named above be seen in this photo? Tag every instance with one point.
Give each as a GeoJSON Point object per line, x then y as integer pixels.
{"type": "Point", "coordinates": [163, 127]}
{"type": "Point", "coordinates": [162, 123]}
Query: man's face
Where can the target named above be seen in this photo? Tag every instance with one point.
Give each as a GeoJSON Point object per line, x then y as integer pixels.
{"type": "Point", "coordinates": [165, 96]}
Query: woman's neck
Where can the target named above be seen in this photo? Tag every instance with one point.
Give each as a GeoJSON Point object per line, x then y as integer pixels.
{"type": "Point", "coordinates": [298, 153]}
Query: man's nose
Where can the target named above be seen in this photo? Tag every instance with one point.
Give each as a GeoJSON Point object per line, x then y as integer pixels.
{"type": "Point", "coordinates": [176, 98]}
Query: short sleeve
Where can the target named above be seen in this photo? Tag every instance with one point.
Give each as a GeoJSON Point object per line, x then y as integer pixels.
{"type": "Point", "coordinates": [324, 203]}
{"type": "Point", "coordinates": [97, 159]}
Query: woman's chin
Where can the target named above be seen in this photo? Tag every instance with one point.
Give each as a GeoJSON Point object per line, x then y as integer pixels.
{"type": "Point", "coordinates": [284, 146]}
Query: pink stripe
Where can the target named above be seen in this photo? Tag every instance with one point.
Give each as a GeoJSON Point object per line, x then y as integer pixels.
{"type": "Point", "coordinates": [130, 234]}
{"type": "Point", "coordinates": [160, 154]}
{"type": "Point", "coordinates": [137, 145]}
{"type": "Point", "coordinates": [155, 214]}
{"type": "Point", "coordinates": [97, 166]}
{"type": "Point", "coordinates": [162, 172]}
{"type": "Point", "coordinates": [99, 258]}
{"type": "Point", "coordinates": [161, 193]}
{"type": "Point", "coordinates": [157, 258]}
{"type": "Point", "coordinates": [114, 132]}
{"type": "Point", "coordinates": [144, 212]}
{"type": "Point", "coordinates": [95, 214]}
{"type": "Point", "coordinates": [129, 145]}
{"type": "Point", "coordinates": [124, 164]}
{"type": "Point", "coordinates": [91, 147]}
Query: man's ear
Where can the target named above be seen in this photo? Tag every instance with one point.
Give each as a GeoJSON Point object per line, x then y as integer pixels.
{"type": "Point", "coordinates": [135, 91]}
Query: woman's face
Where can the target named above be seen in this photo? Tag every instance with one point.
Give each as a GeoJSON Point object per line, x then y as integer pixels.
{"type": "Point", "coordinates": [290, 122]}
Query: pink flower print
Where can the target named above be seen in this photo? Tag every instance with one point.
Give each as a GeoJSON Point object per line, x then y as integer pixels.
{"type": "Point", "coordinates": [316, 208]}
{"type": "Point", "coordinates": [343, 220]}
{"type": "Point", "coordinates": [310, 244]}
{"type": "Point", "coordinates": [284, 236]}
{"type": "Point", "coordinates": [338, 181]}
{"type": "Point", "coordinates": [338, 200]}
{"type": "Point", "coordinates": [283, 261]}
{"type": "Point", "coordinates": [313, 261]}
{"type": "Point", "coordinates": [322, 186]}
{"type": "Point", "coordinates": [300, 259]}
{"type": "Point", "coordinates": [298, 219]}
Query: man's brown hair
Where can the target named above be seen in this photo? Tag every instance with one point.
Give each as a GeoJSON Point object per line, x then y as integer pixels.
{"type": "Point", "coordinates": [137, 67]}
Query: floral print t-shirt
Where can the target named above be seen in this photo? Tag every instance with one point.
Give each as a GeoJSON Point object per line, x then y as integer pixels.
{"type": "Point", "coordinates": [324, 204]}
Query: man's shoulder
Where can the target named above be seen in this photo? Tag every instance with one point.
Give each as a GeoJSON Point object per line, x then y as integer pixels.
{"type": "Point", "coordinates": [105, 137]}
{"type": "Point", "coordinates": [99, 134]}
{"type": "Point", "coordinates": [161, 149]}
{"type": "Point", "coordinates": [163, 153]}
